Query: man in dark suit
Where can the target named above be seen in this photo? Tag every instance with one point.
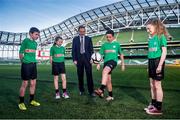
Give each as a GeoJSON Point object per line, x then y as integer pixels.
{"type": "Point", "coordinates": [82, 49]}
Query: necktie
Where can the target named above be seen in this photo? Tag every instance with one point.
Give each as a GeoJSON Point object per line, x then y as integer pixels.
{"type": "Point", "coordinates": [82, 45]}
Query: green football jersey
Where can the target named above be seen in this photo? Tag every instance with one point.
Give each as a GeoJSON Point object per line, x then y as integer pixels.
{"type": "Point", "coordinates": [28, 48]}
{"type": "Point", "coordinates": [154, 46]}
{"type": "Point", "coordinates": [57, 53]}
{"type": "Point", "coordinates": [110, 50]}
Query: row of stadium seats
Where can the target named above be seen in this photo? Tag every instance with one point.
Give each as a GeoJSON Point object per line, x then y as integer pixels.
{"type": "Point", "coordinates": [138, 36]}
{"type": "Point", "coordinates": [135, 36]}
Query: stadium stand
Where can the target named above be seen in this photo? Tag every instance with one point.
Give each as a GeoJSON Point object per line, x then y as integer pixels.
{"type": "Point", "coordinates": [127, 18]}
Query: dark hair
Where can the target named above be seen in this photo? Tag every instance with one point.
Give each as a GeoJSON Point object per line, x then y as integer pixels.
{"type": "Point", "coordinates": [110, 32]}
{"type": "Point", "coordinates": [34, 29]}
{"type": "Point", "coordinates": [81, 27]}
{"type": "Point", "coordinates": [56, 39]}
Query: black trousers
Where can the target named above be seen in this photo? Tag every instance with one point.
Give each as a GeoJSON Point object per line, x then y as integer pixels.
{"type": "Point", "coordinates": [82, 63]}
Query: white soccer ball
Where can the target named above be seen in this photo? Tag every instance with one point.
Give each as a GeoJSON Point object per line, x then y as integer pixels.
{"type": "Point", "coordinates": [96, 58]}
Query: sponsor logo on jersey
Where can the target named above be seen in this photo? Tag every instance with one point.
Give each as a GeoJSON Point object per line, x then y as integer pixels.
{"type": "Point", "coordinates": [30, 51]}
{"type": "Point", "coordinates": [58, 55]}
{"type": "Point", "coordinates": [110, 51]}
{"type": "Point", "coordinates": [153, 49]}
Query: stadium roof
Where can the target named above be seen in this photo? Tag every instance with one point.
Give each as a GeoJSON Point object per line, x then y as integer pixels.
{"type": "Point", "coordinates": [119, 15]}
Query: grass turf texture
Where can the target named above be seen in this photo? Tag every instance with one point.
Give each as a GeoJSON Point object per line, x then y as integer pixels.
{"type": "Point", "coordinates": [130, 89]}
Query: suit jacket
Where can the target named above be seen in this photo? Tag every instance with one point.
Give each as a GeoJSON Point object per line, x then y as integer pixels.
{"type": "Point", "coordinates": [76, 48]}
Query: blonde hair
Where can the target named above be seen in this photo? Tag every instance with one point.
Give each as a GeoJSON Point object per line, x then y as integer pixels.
{"type": "Point", "coordinates": [159, 26]}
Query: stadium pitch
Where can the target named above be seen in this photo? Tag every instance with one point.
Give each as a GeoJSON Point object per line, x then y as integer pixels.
{"type": "Point", "coordinates": [131, 93]}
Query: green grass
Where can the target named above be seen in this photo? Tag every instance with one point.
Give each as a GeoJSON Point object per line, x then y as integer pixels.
{"type": "Point", "coordinates": [131, 92]}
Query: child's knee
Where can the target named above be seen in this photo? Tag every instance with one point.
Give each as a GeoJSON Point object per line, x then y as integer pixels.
{"type": "Point", "coordinates": [33, 83]}
{"type": "Point", "coordinates": [152, 85]}
{"type": "Point", "coordinates": [158, 85]}
{"type": "Point", "coordinates": [105, 71]}
{"type": "Point", "coordinates": [63, 80]}
{"type": "Point", "coordinates": [25, 84]}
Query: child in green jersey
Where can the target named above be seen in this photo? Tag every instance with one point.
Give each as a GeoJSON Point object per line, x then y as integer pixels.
{"type": "Point", "coordinates": [57, 53]}
{"type": "Point", "coordinates": [27, 55]}
{"type": "Point", "coordinates": [110, 50]}
{"type": "Point", "coordinates": [157, 50]}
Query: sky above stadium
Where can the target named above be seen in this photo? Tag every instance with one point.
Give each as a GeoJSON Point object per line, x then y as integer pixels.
{"type": "Point", "coordinates": [20, 15]}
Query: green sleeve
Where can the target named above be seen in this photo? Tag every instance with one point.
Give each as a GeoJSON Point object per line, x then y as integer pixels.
{"type": "Point", "coordinates": [51, 51]}
{"type": "Point", "coordinates": [23, 47]}
{"type": "Point", "coordinates": [163, 41]}
{"type": "Point", "coordinates": [102, 50]}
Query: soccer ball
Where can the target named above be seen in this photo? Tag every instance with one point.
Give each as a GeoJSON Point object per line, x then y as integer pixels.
{"type": "Point", "coordinates": [96, 58]}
